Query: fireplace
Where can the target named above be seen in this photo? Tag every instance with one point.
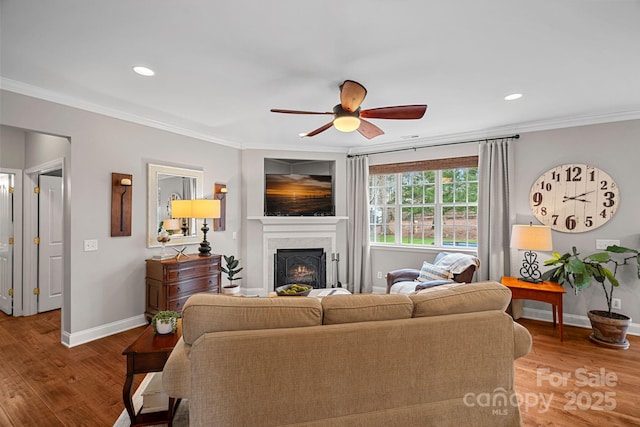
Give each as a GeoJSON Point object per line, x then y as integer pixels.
{"type": "Point", "coordinates": [304, 266]}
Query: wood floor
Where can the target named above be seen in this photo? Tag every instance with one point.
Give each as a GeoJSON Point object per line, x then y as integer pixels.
{"type": "Point", "coordinates": [43, 383]}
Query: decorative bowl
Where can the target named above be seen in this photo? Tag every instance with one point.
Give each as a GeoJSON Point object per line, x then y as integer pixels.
{"type": "Point", "coordinates": [294, 289]}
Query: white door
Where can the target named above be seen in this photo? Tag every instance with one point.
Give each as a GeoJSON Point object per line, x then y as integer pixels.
{"type": "Point", "coordinates": [50, 255]}
{"type": "Point", "coordinates": [6, 249]}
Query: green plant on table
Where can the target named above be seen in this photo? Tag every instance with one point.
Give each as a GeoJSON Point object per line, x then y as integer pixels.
{"type": "Point", "coordinates": [165, 316]}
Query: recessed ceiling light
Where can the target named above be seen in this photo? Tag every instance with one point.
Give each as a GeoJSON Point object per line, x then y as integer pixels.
{"type": "Point", "coordinates": [144, 71]}
{"type": "Point", "coordinates": [513, 97]}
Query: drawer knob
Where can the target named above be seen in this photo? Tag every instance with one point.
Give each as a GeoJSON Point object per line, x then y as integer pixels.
{"type": "Point", "coordinates": [178, 288]}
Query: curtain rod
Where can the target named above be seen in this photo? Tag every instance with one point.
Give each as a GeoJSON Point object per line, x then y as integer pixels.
{"type": "Point", "coordinates": [516, 136]}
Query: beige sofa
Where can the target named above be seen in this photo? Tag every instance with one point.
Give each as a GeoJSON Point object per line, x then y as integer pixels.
{"type": "Point", "coordinates": [432, 358]}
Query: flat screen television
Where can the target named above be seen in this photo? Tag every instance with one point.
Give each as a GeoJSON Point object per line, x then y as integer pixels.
{"type": "Point", "coordinates": [298, 195]}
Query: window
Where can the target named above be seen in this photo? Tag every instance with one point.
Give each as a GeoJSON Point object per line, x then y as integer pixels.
{"type": "Point", "coordinates": [432, 203]}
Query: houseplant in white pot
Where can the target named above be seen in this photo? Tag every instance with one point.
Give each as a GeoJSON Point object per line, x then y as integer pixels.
{"type": "Point", "coordinates": [165, 321]}
{"type": "Point", "coordinates": [231, 270]}
{"type": "Point", "coordinates": [609, 327]}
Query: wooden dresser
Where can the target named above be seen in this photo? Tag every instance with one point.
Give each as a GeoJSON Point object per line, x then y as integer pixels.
{"type": "Point", "coordinates": [170, 283]}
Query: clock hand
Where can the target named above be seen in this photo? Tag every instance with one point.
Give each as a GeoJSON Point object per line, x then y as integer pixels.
{"type": "Point", "coordinates": [576, 197]}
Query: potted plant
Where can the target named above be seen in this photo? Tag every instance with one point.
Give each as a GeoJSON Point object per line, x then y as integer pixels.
{"type": "Point", "coordinates": [165, 321]}
{"type": "Point", "coordinates": [609, 327]}
{"type": "Point", "coordinates": [231, 270]}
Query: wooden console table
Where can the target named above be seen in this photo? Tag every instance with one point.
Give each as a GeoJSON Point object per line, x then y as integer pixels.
{"type": "Point", "coordinates": [149, 353]}
{"type": "Point", "coordinates": [548, 292]}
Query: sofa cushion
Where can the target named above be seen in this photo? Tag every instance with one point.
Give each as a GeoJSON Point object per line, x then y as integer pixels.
{"type": "Point", "coordinates": [365, 308]}
{"type": "Point", "coordinates": [430, 272]}
{"type": "Point", "coordinates": [460, 298]}
{"type": "Point", "coordinates": [204, 313]}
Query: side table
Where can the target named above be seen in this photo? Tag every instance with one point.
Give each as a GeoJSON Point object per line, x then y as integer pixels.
{"type": "Point", "coordinates": [548, 292]}
{"type": "Point", "coordinates": [148, 353]}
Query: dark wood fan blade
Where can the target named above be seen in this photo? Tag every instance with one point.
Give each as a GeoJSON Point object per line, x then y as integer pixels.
{"type": "Point", "coordinates": [351, 95]}
{"type": "Point", "coordinates": [399, 112]}
{"type": "Point", "coordinates": [320, 129]}
{"type": "Point", "coordinates": [369, 130]}
{"type": "Point", "coordinates": [277, 110]}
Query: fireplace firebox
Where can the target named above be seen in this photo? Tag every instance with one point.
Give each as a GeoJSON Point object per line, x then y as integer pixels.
{"type": "Point", "coordinates": [303, 266]}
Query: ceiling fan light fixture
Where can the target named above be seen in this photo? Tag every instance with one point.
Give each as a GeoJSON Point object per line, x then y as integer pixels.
{"type": "Point", "coordinates": [346, 123]}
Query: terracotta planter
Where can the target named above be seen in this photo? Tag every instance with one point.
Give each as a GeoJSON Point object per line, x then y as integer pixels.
{"type": "Point", "coordinates": [609, 331]}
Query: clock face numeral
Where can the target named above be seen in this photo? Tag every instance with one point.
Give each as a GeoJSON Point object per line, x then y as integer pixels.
{"type": "Point", "coordinates": [574, 198]}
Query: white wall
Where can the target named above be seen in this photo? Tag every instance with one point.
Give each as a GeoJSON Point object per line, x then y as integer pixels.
{"type": "Point", "coordinates": [105, 289]}
{"type": "Point", "coordinates": [12, 147]}
{"type": "Point", "coordinates": [612, 147]}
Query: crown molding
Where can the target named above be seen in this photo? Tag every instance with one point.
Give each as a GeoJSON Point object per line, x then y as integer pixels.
{"type": "Point", "coordinates": [523, 127]}
{"type": "Point", "coordinates": [51, 96]}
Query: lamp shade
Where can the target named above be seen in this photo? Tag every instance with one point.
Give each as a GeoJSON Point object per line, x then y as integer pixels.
{"type": "Point", "coordinates": [531, 237]}
{"type": "Point", "coordinates": [171, 224]}
{"type": "Point", "coordinates": [199, 208]}
{"type": "Point", "coordinates": [181, 209]}
{"type": "Point", "coordinates": [205, 208]}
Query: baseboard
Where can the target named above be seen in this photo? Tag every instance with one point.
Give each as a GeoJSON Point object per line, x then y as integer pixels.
{"type": "Point", "coordinates": [569, 319]}
{"type": "Point", "coordinates": [82, 337]}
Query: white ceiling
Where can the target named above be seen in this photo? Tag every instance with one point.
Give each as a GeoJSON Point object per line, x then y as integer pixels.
{"type": "Point", "coordinates": [221, 65]}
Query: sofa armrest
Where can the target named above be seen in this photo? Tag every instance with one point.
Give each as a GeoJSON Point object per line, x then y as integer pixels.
{"type": "Point", "coordinates": [402, 275]}
{"type": "Point", "coordinates": [176, 375]}
{"type": "Point", "coordinates": [521, 341]}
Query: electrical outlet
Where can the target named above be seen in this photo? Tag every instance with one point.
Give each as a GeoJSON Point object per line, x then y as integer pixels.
{"type": "Point", "coordinates": [616, 303]}
{"type": "Point", "coordinates": [603, 243]}
{"type": "Point", "coordinates": [90, 245]}
{"type": "Point", "coordinates": [379, 274]}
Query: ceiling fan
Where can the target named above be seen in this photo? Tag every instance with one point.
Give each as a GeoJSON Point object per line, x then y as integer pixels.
{"type": "Point", "coordinates": [349, 116]}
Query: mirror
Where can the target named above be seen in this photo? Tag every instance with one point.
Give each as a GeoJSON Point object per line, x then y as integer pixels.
{"type": "Point", "coordinates": [167, 183]}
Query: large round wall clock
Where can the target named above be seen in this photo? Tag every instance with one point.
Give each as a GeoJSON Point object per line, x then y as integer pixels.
{"type": "Point", "coordinates": [574, 198]}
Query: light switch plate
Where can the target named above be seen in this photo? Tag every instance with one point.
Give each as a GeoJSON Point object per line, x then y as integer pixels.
{"type": "Point", "coordinates": [90, 245]}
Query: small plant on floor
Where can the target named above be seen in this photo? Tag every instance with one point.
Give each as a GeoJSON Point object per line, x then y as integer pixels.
{"type": "Point", "coordinates": [165, 317]}
{"type": "Point", "coordinates": [231, 270]}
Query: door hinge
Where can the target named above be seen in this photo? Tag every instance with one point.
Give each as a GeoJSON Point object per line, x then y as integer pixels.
{"type": "Point", "coordinates": [36, 291]}
{"type": "Point", "coordinates": [11, 240]}
{"type": "Point", "coordinates": [10, 190]}
{"type": "Point", "coordinates": [36, 241]}
{"type": "Point", "coordinates": [11, 292]}
{"type": "Point", "coordinates": [36, 190]}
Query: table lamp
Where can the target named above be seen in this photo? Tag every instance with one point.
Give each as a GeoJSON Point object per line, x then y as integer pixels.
{"type": "Point", "coordinates": [531, 238]}
{"type": "Point", "coordinates": [199, 209]}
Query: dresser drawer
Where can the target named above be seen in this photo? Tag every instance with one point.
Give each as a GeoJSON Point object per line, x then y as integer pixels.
{"type": "Point", "coordinates": [178, 303]}
{"type": "Point", "coordinates": [178, 272]}
{"type": "Point", "coordinates": [200, 284]}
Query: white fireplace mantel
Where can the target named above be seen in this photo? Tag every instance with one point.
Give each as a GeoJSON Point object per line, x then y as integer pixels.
{"type": "Point", "coordinates": [295, 232]}
{"type": "Point", "coordinates": [278, 220]}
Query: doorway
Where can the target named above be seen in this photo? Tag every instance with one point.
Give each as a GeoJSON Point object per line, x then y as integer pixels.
{"type": "Point", "coordinates": [44, 261]}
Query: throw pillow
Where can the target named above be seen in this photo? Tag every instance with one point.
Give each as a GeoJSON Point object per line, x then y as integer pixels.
{"type": "Point", "coordinates": [431, 272]}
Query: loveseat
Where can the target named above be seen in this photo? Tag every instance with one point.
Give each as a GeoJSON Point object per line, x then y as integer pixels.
{"type": "Point", "coordinates": [432, 358]}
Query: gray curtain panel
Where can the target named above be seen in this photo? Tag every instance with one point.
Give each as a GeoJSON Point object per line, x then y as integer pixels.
{"type": "Point", "coordinates": [494, 219]}
{"type": "Point", "coordinates": [358, 263]}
